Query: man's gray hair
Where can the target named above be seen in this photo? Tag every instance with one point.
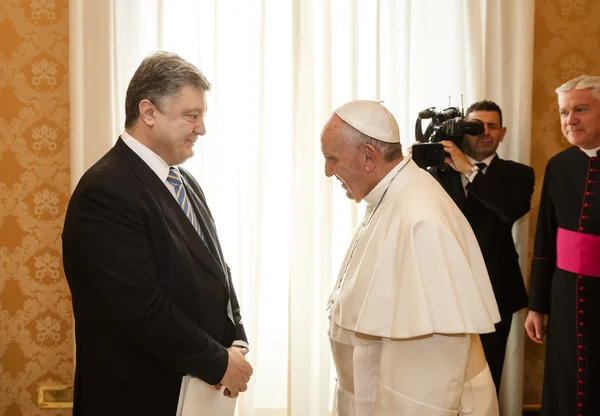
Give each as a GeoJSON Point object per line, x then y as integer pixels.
{"type": "Point", "coordinates": [582, 82]}
{"type": "Point", "coordinates": [390, 151]}
{"type": "Point", "coordinates": [160, 76]}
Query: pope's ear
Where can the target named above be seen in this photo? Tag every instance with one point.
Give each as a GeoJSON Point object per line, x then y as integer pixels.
{"type": "Point", "coordinates": [370, 156]}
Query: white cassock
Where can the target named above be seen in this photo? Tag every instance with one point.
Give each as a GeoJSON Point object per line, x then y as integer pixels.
{"type": "Point", "coordinates": [411, 298]}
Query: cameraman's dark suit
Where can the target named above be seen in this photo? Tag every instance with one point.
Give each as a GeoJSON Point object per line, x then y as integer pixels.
{"type": "Point", "coordinates": [494, 202]}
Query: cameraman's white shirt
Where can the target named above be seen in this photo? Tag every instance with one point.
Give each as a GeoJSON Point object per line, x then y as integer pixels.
{"type": "Point", "coordinates": [465, 180]}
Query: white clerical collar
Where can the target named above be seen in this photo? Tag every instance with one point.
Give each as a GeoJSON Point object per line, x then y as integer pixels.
{"type": "Point", "coordinates": [591, 152]}
{"type": "Point", "coordinates": [376, 193]}
{"type": "Point", "coordinates": [487, 160]}
{"type": "Point", "coordinates": [154, 161]}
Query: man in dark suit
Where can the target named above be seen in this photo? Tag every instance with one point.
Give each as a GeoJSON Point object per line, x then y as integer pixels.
{"type": "Point", "coordinates": [493, 194]}
{"type": "Point", "coordinates": [152, 295]}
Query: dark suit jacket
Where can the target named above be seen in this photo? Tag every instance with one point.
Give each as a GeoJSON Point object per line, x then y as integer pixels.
{"type": "Point", "coordinates": [495, 201]}
{"type": "Point", "coordinates": [150, 299]}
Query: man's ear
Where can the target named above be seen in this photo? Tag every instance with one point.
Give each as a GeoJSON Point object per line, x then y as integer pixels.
{"type": "Point", "coordinates": [370, 157]}
{"type": "Point", "coordinates": [502, 134]}
{"type": "Point", "coordinates": [147, 112]}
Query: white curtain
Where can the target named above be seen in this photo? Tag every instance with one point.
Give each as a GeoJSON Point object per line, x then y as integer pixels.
{"type": "Point", "coordinates": [279, 68]}
{"type": "Point", "coordinates": [94, 113]}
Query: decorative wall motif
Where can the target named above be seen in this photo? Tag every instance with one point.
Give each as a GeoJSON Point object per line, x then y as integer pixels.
{"type": "Point", "coordinates": [567, 44]}
{"type": "Point", "coordinates": [36, 335]}
{"type": "Point", "coordinates": [35, 313]}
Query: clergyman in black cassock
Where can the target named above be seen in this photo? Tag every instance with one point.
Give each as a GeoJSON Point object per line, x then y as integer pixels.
{"type": "Point", "coordinates": [565, 272]}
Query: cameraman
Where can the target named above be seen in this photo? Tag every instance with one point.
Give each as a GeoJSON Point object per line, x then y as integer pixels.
{"type": "Point", "coordinates": [493, 194]}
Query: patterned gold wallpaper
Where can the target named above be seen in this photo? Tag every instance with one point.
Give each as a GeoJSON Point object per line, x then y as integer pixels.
{"type": "Point", "coordinates": [566, 44]}
{"type": "Point", "coordinates": [35, 311]}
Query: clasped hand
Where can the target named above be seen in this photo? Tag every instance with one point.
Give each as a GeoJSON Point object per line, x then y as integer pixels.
{"type": "Point", "coordinates": [238, 373]}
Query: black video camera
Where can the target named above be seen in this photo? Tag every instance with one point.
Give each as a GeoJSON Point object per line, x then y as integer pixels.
{"type": "Point", "coordinates": [448, 124]}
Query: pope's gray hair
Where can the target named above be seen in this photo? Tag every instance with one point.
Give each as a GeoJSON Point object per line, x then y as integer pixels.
{"type": "Point", "coordinates": [356, 138]}
{"type": "Point", "coordinates": [582, 82]}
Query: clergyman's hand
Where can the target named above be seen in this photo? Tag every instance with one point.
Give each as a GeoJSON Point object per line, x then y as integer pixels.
{"type": "Point", "coordinates": [534, 325]}
{"type": "Point", "coordinates": [457, 160]}
{"type": "Point", "coordinates": [237, 374]}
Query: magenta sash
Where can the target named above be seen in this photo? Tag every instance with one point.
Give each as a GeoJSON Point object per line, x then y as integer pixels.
{"type": "Point", "coordinates": [578, 253]}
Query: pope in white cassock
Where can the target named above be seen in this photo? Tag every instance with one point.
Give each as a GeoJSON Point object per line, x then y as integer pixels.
{"type": "Point", "coordinates": [413, 292]}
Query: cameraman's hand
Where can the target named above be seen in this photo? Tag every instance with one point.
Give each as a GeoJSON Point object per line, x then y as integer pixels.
{"type": "Point", "coordinates": [238, 372]}
{"type": "Point", "coordinates": [457, 160]}
{"type": "Point", "coordinates": [409, 150]}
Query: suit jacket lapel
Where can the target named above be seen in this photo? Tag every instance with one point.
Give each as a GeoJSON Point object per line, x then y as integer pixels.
{"type": "Point", "coordinates": [454, 185]}
{"type": "Point", "coordinates": [205, 220]}
{"type": "Point", "coordinates": [210, 231]}
{"type": "Point", "coordinates": [491, 171]}
{"type": "Point", "coordinates": [494, 166]}
{"type": "Point", "coordinates": [177, 218]}
{"type": "Point", "coordinates": [458, 189]}
{"type": "Point", "coordinates": [170, 209]}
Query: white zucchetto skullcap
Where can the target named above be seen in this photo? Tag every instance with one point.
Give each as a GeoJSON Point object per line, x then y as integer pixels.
{"type": "Point", "coordinates": [370, 118]}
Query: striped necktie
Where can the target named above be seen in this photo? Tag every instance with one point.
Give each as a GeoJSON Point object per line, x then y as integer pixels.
{"type": "Point", "coordinates": [175, 179]}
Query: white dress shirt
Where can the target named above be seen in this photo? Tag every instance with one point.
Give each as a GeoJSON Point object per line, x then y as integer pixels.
{"type": "Point", "coordinates": [154, 161]}
{"type": "Point", "coordinates": [466, 180]}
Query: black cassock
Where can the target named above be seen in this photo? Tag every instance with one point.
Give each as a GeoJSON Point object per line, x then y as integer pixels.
{"type": "Point", "coordinates": [570, 205]}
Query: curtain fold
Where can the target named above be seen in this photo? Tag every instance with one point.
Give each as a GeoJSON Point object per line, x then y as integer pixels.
{"type": "Point", "coordinates": [308, 360]}
{"type": "Point", "coordinates": [91, 83]}
{"type": "Point", "coordinates": [278, 70]}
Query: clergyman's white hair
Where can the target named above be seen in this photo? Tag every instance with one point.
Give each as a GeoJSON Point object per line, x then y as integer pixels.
{"type": "Point", "coordinates": [582, 82]}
